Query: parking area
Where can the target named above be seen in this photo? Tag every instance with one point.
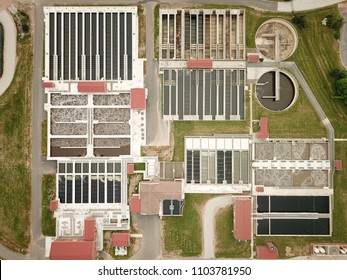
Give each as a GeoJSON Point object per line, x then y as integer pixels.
{"type": "Point", "coordinates": [204, 94]}
{"type": "Point", "coordinates": [171, 170]}
{"type": "Point", "coordinates": [202, 34]}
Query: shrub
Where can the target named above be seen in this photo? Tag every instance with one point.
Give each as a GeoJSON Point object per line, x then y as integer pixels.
{"type": "Point", "coordinates": [299, 21]}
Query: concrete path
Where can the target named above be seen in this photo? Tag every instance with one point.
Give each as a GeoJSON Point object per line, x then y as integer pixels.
{"type": "Point", "coordinates": [208, 223]}
{"type": "Point", "coordinates": [7, 254]}
{"type": "Point", "coordinates": [157, 129]}
{"type": "Point", "coordinates": [343, 42]}
{"type": "Point", "coordinates": [304, 5]}
{"type": "Point", "coordinates": [10, 45]}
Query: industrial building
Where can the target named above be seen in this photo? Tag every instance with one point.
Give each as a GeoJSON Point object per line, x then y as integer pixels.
{"type": "Point", "coordinates": [96, 119]}
{"type": "Point", "coordinates": [202, 63]}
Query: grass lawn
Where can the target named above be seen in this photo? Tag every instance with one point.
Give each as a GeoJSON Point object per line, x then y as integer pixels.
{"type": "Point", "coordinates": [48, 194]}
{"type": "Point", "coordinates": [15, 160]}
{"type": "Point", "coordinates": [183, 235]}
{"type": "Point", "coordinates": [140, 166]}
{"type": "Point", "coordinates": [226, 245]}
{"type": "Point", "coordinates": [206, 128]}
{"type": "Point", "coordinates": [316, 56]}
{"type": "Point", "coordinates": [142, 31]}
{"type": "Point", "coordinates": [305, 124]}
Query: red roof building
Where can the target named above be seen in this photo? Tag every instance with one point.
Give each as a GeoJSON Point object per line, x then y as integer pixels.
{"type": "Point", "coordinates": [259, 189]}
{"type": "Point", "coordinates": [91, 87]}
{"type": "Point", "coordinates": [131, 168]}
{"type": "Point", "coordinates": [48, 85]}
{"type": "Point", "coordinates": [253, 57]}
{"type": "Point", "coordinates": [195, 63]}
{"type": "Point", "coordinates": [242, 218]}
{"type": "Point", "coordinates": [135, 205]}
{"type": "Point", "coordinates": [53, 206]}
{"type": "Point", "coordinates": [263, 133]}
{"type": "Point", "coordinates": [73, 250]}
{"type": "Point", "coordinates": [338, 164]}
{"type": "Point", "coordinates": [268, 252]}
{"type": "Point", "coordinates": [138, 98]}
{"type": "Point", "coordinates": [89, 229]}
{"type": "Point", "coordinates": [120, 239]}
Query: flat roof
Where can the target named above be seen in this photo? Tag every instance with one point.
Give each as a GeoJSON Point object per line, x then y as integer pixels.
{"type": "Point", "coordinates": [53, 206]}
{"type": "Point", "coordinates": [91, 87]}
{"type": "Point", "coordinates": [338, 164]}
{"type": "Point", "coordinates": [120, 239]}
{"type": "Point", "coordinates": [138, 98]}
{"type": "Point", "coordinates": [263, 133]}
{"type": "Point", "coordinates": [264, 253]}
{"type": "Point", "coordinates": [89, 229]}
{"type": "Point", "coordinates": [199, 63]}
{"type": "Point", "coordinates": [135, 205]}
{"type": "Point", "coordinates": [72, 249]}
{"type": "Point", "coordinates": [242, 219]}
{"type": "Point", "coordinates": [152, 193]}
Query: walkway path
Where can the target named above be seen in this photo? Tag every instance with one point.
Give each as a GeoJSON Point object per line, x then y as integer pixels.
{"type": "Point", "coordinates": [10, 44]}
{"type": "Point", "coordinates": [210, 211]}
{"type": "Point", "coordinates": [304, 5]}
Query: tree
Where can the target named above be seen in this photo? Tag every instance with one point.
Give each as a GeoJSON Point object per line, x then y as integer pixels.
{"type": "Point", "coordinates": [299, 21]}
{"type": "Point", "coordinates": [335, 21]}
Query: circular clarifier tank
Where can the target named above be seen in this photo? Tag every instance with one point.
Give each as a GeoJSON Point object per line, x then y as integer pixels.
{"type": "Point", "coordinates": [276, 90]}
{"type": "Point", "coordinates": [276, 39]}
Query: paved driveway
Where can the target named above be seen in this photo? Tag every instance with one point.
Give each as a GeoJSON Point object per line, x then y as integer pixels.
{"type": "Point", "coordinates": [210, 210]}
{"type": "Point", "coordinates": [10, 45]}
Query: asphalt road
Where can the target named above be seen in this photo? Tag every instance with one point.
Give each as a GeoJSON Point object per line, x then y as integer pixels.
{"type": "Point", "coordinates": [38, 95]}
{"type": "Point", "coordinates": [151, 239]}
{"type": "Point", "coordinates": [208, 223]}
{"type": "Point", "coordinates": [157, 129]}
{"type": "Point", "coordinates": [343, 42]}
{"type": "Point", "coordinates": [10, 47]}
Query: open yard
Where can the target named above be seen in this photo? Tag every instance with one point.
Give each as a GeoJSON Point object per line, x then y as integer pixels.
{"type": "Point", "coordinates": [15, 171]}
{"type": "Point", "coordinates": [305, 124]}
{"type": "Point", "coordinates": [182, 235]}
{"type": "Point", "coordinates": [226, 245]}
{"type": "Point", "coordinates": [316, 56]}
{"type": "Point", "coordinates": [48, 194]}
{"type": "Point", "coordinates": [206, 128]}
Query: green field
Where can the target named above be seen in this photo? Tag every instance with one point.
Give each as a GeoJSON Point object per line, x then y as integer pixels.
{"type": "Point", "coordinates": [206, 128]}
{"type": "Point", "coordinates": [15, 159]}
{"type": "Point", "coordinates": [183, 235]}
{"type": "Point", "coordinates": [48, 194]}
{"type": "Point", "coordinates": [226, 245]}
{"type": "Point", "coordinates": [316, 56]}
{"type": "Point", "coordinates": [305, 124]}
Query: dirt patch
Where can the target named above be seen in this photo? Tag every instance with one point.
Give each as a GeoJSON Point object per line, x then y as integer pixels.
{"type": "Point", "coordinates": [133, 184]}
{"type": "Point", "coordinates": [164, 153]}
